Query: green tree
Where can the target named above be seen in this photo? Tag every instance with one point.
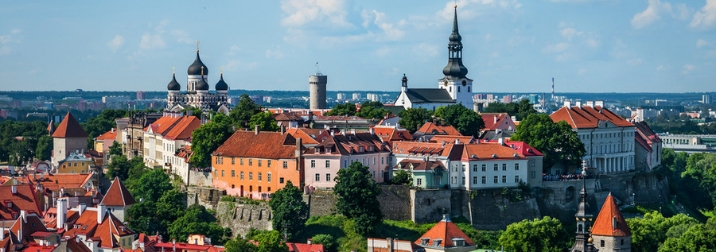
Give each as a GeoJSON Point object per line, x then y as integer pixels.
{"type": "Point", "coordinates": [239, 244]}
{"type": "Point", "coordinates": [289, 210]}
{"type": "Point", "coordinates": [207, 138]}
{"type": "Point", "coordinates": [343, 109]}
{"type": "Point", "coordinates": [402, 177]}
{"type": "Point", "coordinates": [197, 220]}
{"type": "Point", "coordinates": [242, 113]}
{"type": "Point", "coordinates": [151, 185]}
{"type": "Point", "coordinates": [102, 123]}
{"type": "Point", "coordinates": [126, 170]}
{"type": "Point", "coordinates": [649, 232]}
{"type": "Point", "coordinates": [264, 120]}
{"type": "Point", "coordinates": [142, 218]}
{"type": "Point", "coordinates": [701, 167]}
{"type": "Point", "coordinates": [413, 118]}
{"type": "Point", "coordinates": [466, 121]}
{"type": "Point", "coordinates": [372, 110]}
{"type": "Point", "coordinates": [520, 109]}
{"type": "Point", "coordinates": [270, 241]}
{"type": "Point", "coordinates": [556, 141]}
{"type": "Point", "coordinates": [328, 242]}
{"type": "Point", "coordinates": [115, 149]}
{"type": "Point", "coordinates": [44, 148]}
{"type": "Point", "coordinates": [546, 234]}
{"type": "Point", "coordinates": [698, 237]}
{"type": "Point", "coordinates": [358, 197]}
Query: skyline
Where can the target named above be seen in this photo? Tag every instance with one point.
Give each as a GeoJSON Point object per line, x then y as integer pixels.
{"type": "Point", "coordinates": [509, 45]}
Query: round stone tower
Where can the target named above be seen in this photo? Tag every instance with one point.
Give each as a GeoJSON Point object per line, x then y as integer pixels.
{"type": "Point", "coordinates": [317, 85]}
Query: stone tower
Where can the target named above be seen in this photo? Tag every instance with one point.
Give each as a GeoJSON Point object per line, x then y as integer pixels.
{"type": "Point", "coordinates": [68, 137]}
{"type": "Point", "coordinates": [317, 85]}
{"type": "Point", "coordinates": [610, 231]}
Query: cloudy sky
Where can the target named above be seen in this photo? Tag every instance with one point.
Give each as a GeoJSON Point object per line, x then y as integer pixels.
{"type": "Point", "coordinates": [509, 45]}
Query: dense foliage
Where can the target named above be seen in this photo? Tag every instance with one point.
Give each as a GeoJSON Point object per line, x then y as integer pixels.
{"type": "Point", "coordinates": [691, 177]}
{"type": "Point", "coordinates": [372, 110]}
{"type": "Point", "coordinates": [402, 177]}
{"type": "Point", "coordinates": [465, 120]}
{"type": "Point", "coordinates": [343, 109]}
{"type": "Point", "coordinates": [20, 142]}
{"type": "Point", "coordinates": [241, 114]}
{"type": "Point", "coordinates": [357, 194]}
{"type": "Point", "coordinates": [676, 124]}
{"type": "Point", "coordinates": [98, 125]}
{"type": "Point", "coordinates": [412, 118]}
{"type": "Point", "coordinates": [546, 234]}
{"type": "Point", "coordinates": [289, 210]}
{"type": "Point", "coordinates": [207, 138]}
{"type": "Point", "coordinates": [649, 232]}
{"type": "Point", "coordinates": [266, 241]}
{"type": "Point", "coordinates": [556, 141]}
{"type": "Point", "coordinates": [264, 121]}
{"type": "Point", "coordinates": [520, 109]}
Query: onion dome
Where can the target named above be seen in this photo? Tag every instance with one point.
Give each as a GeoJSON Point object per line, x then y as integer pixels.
{"type": "Point", "coordinates": [197, 67]}
{"type": "Point", "coordinates": [221, 85]}
{"type": "Point", "coordinates": [202, 85]}
{"type": "Point", "coordinates": [174, 85]}
{"type": "Point", "coordinates": [455, 68]}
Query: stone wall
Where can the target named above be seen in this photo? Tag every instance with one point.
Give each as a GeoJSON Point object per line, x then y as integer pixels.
{"type": "Point", "coordinates": [395, 202]}
{"type": "Point", "coordinates": [201, 179]}
{"type": "Point", "coordinates": [320, 203]}
{"type": "Point", "coordinates": [207, 197]}
{"type": "Point", "coordinates": [428, 206]}
{"type": "Point", "coordinates": [242, 217]}
{"type": "Point", "coordinates": [494, 209]}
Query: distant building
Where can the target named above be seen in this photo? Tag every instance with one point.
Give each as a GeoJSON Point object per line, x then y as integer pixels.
{"type": "Point", "coordinates": [164, 138]}
{"type": "Point", "coordinates": [140, 95]}
{"type": "Point", "coordinates": [340, 96]}
{"type": "Point", "coordinates": [356, 96]}
{"type": "Point", "coordinates": [197, 93]}
{"type": "Point", "coordinates": [648, 148]}
{"type": "Point", "coordinates": [76, 162]}
{"type": "Point", "coordinates": [453, 88]}
{"type": "Point", "coordinates": [706, 99]}
{"type": "Point", "coordinates": [317, 86]}
{"type": "Point", "coordinates": [372, 97]}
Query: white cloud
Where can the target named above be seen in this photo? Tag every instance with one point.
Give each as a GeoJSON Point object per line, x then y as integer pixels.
{"type": "Point", "coordinates": [6, 40]}
{"type": "Point", "coordinates": [233, 50]}
{"type": "Point", "coordinates": [182, 36]}
{"type": "Point", "coordinates": [569, 33]}
{"type": "Point", "coordinates": [559, 47]}
{"type": "Point", "coordinates": [302, 12]}
{"type": "Point", "coordinates": [635, 62]}
{"type": "Point", "coordinates": [383, 51]}
{"type": "Point", "coordinates": [651, 14]}
{"type": "Point", "coordinates": [661, 68]}
{"type": "Point", "coordinates": [116, 43]}
{"type": "Point", "coordinates": [682, 12]}
{"type": "Point", "coordinates": [467, 9]}
{"type": "Point", "coordinates": [688, 68]}
{"type": "Point", "coordinates": [390, 31]}
{"type": "Point", "coordinates": [150, 41]}
{"type": "Point", "coordinates": [706, 16]}
{"type": "Point", "coordinates": [701, 43]}
{"type": "Point", "coordinates": [276, 54]}
{"type": "Point", "coordinates": [593, 43]}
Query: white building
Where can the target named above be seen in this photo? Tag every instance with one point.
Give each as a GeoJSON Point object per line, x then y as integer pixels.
{"type": "Point", "coordinates": [163, 139]}
{"type": "Point", "coordinates": [197, 93]}
{"type": "Point", "coordinates": [608, 138]}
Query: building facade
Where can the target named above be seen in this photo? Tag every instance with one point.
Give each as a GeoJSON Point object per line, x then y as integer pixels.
{"type": "Point", "coordinates": [317, 86]}
{"type": "Point", "coordinates": [164, 138]}
{"type": "Point", "coordinates": [69, 137]}
{"type": "Point", "coordinates": [197, 93]}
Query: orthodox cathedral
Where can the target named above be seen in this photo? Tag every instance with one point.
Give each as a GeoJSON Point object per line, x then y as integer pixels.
{"type": "Point", "coordinates": [197, 93]}
{"type": "Point", "coordinates": [453, 88]}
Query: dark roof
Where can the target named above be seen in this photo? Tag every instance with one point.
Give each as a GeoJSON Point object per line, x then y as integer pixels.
{"type": "Point", "coordinates": [221, 85]}
{"type": "Point", "coordinates": [202, 85]}
{"type": "Point", "coordinates": [395, 109]}
{"type": "Point", "coordinates": [429, 95]}
{"type": "Point", "coordinates": [69, 127]}
{"type": "Point", "coordinates": [174, 85]}
{"type": "Point", "coordinates": [196, 67]}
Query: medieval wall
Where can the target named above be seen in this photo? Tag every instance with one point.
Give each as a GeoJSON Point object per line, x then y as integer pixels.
{"type": "Point", "coordinates": [201, 179]}
{"type": "Point", "coordinates": [242, 217]}
{"type": "Point", "coordinates": [320, 203]}
{"type": "Point", "coordinates": [207, 197]}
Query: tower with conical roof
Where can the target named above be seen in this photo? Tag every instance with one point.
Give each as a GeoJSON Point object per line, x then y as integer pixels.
{"type": "Point", "coordinates": [610, 231]}
{"type": "Point", "coordinates": [455, 81]}
{"type": "Point", "coordinates": [67, 138]}
{"type": "Point", "coordinates": [583, 243]}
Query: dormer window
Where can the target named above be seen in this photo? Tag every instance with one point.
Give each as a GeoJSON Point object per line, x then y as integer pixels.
{"type": "Point", "coordinates": [459, 242]}
{"type": "Point", "coordinates": [437, 242]}
{"type": "Point", "coordinates": [424, 241]}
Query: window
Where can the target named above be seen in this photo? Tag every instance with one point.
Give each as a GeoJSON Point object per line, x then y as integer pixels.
{"type": "Point", "coordinates": [463, 180]}
{"type": "Point", "coordinates": [484, 167]}
{"type": "Point", "coordinates": [268, 177]}
{"type": "Point", "coordinates": [233, 173]}
{"type": "Point", "coordinates": [232, 160]}
{"type": "Point", "coordinates": [454, 180]}
{"type": "Point", "coordinates": [285, 164]}
{"type": "Point", "coordinates": [495, 179]}
{"type": "Point", "coordinates": [495, 167]}
{"type": "Point", "coordinates": [259, 162]}
{"type": "Point", "coordinates": [345, 163]}
{"type": "Point", "coordinates": [474, 180]}
{"type": "Point", "coordinates": [328, 177]}
{"type": "Point", "coordinates": [504, 179]}
{"type": "Point", "coordinates": [241, 161]}
{"type": "Point", "coordinates": [222, 173]}
{"type": "Point", "coordinates": [318, 177]}
{"type": "Point", "coordinates": [259, 176]}
{"type": "Point", "coordinates": [601, 243]}
{"type": "Point", "coordinates": [419, 181]}
{"type": "Point", "coordinates": [250, 162]}
{"type": "Point", "coordinates": [241, 175]}
{"type": "Point", "coordinates": [474, 168]}
{"type": "Point", "coordinates": [313, 163]}
{"type": "Point", "coordinates": [251, 176]}
{"type": "Point", "coordinates": [382, 160]}
{"type": "Point", "coordinates": [268, 163]}
{"type": "Point", "coordinates": [463, 167]}
{"type": "Point", "coordinates": [484, 180]}
{"type": "Point", "coordinates": [328, 164]}
{"type": "Point", "coordinates": [504, 167]}
{"type": "Point", "coordinates": [280, 180]}
{"type": "Point", "coordinates": [217, 161]}
{"type": "Point", "coordinates": [517, 179]}
{"type": "Point", "coordinates": [517, 166]}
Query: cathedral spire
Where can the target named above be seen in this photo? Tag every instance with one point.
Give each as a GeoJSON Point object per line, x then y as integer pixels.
{"type": "Point", "coordinates": [455, 69]}
{"type": "Point", "coordinates": [583, 241]}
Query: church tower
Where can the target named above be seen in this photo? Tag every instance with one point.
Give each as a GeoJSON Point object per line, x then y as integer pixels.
{"type": "Point", "coordinates": [583, 243]}
{"type": "Point", "coordinates": [455, 81]}
{"type": "Point", "coordinates": [610, 231]}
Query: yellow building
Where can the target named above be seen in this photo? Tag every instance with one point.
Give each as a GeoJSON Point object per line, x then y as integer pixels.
{"type": "Point", "coordinates": [75, 163]}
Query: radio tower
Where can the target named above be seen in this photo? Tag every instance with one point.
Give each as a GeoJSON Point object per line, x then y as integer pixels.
{"type": "Point", "coordinates": [552, 88]}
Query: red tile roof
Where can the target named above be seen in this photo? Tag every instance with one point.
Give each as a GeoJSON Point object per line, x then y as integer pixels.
{"type": "Point", "coordinates": [610, 221]}
{"type": "Point", "coordinates": [69, 127]}
{"type": "Point", "coordinates": [451, 139]}
{"type": "Point", "coordinates": [389, 134]}
{"type": "Point", "coordinates": [24, 199]}
{"type": "Point", "coordinates": [118, 195]}
{"type": "Point", "coordinates": [351, 143]}
{"type": "Point", "coordinates": [54, 182]}
{"type": "Point", "coordinates": [109, 135]}
{"type": "Point", "coordinates": [645, 136]}
{"type": "Point", "coordinates": [445, 231]}
{"type": "Point", "coordinates": [588, 117]}
{"type": "Point", "coordinates": [303, 247]}
{"type": "Point", "coordinates": [86, 224]}
{"type": "Point", "coordinates": [430, 128]}
{"type": "Point", "coordinates": [270, 145]}
{"type": "Point", "coordinates": [420, 165]}
{"type": "Point", "coordinates": [449, 150]}
{"type": "Point", "coordinates": [522, 147]}
{"type": "Point", "coordinates": [183, 128]}
{"type": "Point", "coordinates": [490, 122]}
{"type": "Point", "coordinates": [24, 228]}
{"type": "Point", "coordinates": [490, 151]}
{"type": "Point", "coordinates": [304, 134]}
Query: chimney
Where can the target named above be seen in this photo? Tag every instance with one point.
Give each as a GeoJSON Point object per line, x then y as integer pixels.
{"type": "Point", "coordinates": [81, 208]}
{"type": "Point", "coordinates": [283, 129]}
{"type": "Point", "coordinates": [2, 234]}
{"type": "Point", "coordinates": [256, 129]}
{"type": "Point", "coordinates": [23, 215]}
{"type": "Point", "coordinates": [372, 131]}
{"type": "Point", "coordinates": [390, 244]}
{"type": "Point", "coordinates": [309, 242]}
{"type": "Point", "coordinates": [62, 212]}
{"type": "Point", "coordinates": [333, 133]}
{"type": "Point", "coordinates": [599, 103]}
{"type": "Point", "coordinates": [298, 147]}
{"type": "Point", "coordinates": [101, 209]}
{"type": "Point", "coordinates": [353, 131]}
{"type": "Point", "coordinates": [589, 104]}
{"type": "Point", "coordinates": [567, 104]}
{"type": "Point", "coordinates": [494, 119]}
{"type": "Point", "coordinates": [14, 188]}
{"type": "Point", "coordinates": [343, 132]}
{"type": "Point", "coordinates": [578, 104]}
{"type": "Point", "coordinates": [457, 141]}
{"type": "Point", "coordinates": [501, 141]}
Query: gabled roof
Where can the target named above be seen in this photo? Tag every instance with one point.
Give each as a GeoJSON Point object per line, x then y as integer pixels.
{"type": "Point", "coordinates": [449, 138]}
{"type": "Point", "coordinates": [54, 182]}
{"type": "Point", "coordinates": [489, 151]}
{"type": "Point", "coordinates": [445, 231]}
{"type": "Point", "coordinates": [448, 150]}
{"type": "Point", "coordinates": [69, 127]}
{"type": "Point", "coordinates": [429, 95]}
{"type": "Point", "coordinates": [610, 221]}
{"type": "Point", "coordinates": [586, 117]}
{"type": "Point", "coordinates": [75, 246]}
{"type": "Point", "coordinates": [86, 224]}
{"type": "Point", "coordinates": [307, 136]}
{"type": "Point", "coordinates": [493, 119]}
{"type": "Point", "coordinates": [389, 134]}
{"type": "Point", "coordinates": [645, 136]}
{"type": "Point", "coordinates": [420, 165]}
{"type": "Point", "coordinates": [270, 145]}
{"type": "Point", "coordinates": [522, 147]}
{"type": "Point", "coordinates": [431, 128]}
{"type": "Point", "coordinates": [183, 128]}
{"type": "Point", "coordinates": [303, 247]}
{"type": "Point", "coordinates": [26, 226]}
{"type": "Point", "coordinates": [118, 195]}
{"type": "Point", "coordinates": [24, 199]}
{"type": "Point", "coordinates": [349, 144]}
{"type": "Point", "coordinates": [109, 135]}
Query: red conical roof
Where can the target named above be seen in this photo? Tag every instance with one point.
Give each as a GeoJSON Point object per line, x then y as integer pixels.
{"type": "Point", "coordinates": [69, 127]}
{"type": "Point", "coordinates": [118, 195]}
{"type": "Point", "coordinates": [610, 221]}
{"type": "Point", "coordinates": [445, 231]}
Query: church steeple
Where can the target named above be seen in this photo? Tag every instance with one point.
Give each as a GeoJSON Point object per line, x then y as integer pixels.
{"type": "Point", "coordinates": [455, 69]}
{"type": "Point", "coordinates": [583, 241]}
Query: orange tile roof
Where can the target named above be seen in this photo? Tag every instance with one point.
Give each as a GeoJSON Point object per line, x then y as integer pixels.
{"type": "Point", "coordinates": [270, 145]}
{"type": "Point", "coordinates": [520, 146]}
{"type": "Point", "coordinates": [490, 122]}
{"type": "Point", "coordinates": [305, 136]}
{"type": "Point", "coordinates": [430, 128]}
{"type": "Point", "coordinates": [303, 247]}
{"type": "Point", "coordinates": [490, 151]}
{"type": "Point", "coordinates": [24, 199]}
{"type": "Point", "coordinates": [54, 182]}
{"type": "Point", "coordinates": [163, 124]}
{"type": "Point", "coordinates": [449, 150]}
{"type": "Point", "coordinates": [69, 127]}
{"type": "Point", "coordinates": [109, 135]}
{"type": "Point", "coordinates": [86, 224]}
{"type": "Point", "coordinates": [445, 231]}
{"type": "Point", "coordinates": [24, 228]}
{"type": "Point", "coordinates": [451, 139]}
{"type": "Point", "coordinates": [183, 128]}
{"type": "Point", "coordinates": [118, 195]}
{"type": "Point", "coordinates": [610, 221]}
{"type": "Point", "coordinates": [389, 134]}
{"type": "Point", "coordinates": [588, 117]}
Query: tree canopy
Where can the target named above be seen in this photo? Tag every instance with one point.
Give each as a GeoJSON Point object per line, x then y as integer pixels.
{"type": "Point", "coordinates": [546, 234]}
{"type": "Point", "coordinates": [20, 142]}
{"type": "Point", "coordinates": [413, 118]}
{"type": "Point", "coordinates": [121, 167]}
{"type": "Point", "coordinates": [289, 210]}
{"type": "Point", "coordinates": [343, 109]}
{"type": "Point", "coordinates": [98, 125]}
{"type": "Point", "coordinates": [207, 138]}
{"type": "Point", "coordinates": [520, 109]}
{"type": "Point", "coordinates": [466, 121]}
{"type": "Point", "coordinates": [241, 114]}
{"type": "Point", "coordinates": [358, 197]}
{"type": "Point", "coordinates": [264, 120]}
{"type": "Point", "coordinates": [372, 110]}
{"type": "Point", "coordinates": [151, 185]}
{"type": "Point", "coordinates": [197, 220]}
{"type": "Point", "coordinates": [402, 177]}
{"type": "Point", "coordinates": [697, 237]}
{"type": "Point", "coordinates": [649, 232]}
{"type": "Point", "coordinates": [556, 141]}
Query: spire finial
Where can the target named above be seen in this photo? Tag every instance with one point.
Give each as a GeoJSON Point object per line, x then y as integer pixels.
{"type": "Point", "coordinates": [174, 70]}
{"type": "Point", "coordinates": [221, 70]}
{"type": "Point", "coordinates": [197, 46]}
{"type": "Point", "coordinates": [202, 70]}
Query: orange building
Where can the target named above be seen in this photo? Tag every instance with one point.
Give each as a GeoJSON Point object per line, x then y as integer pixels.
{"type": "Point", "coordinates": [255, 164]}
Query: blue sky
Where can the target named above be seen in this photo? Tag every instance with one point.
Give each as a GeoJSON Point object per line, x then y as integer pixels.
{"type": "Point", "coordinates": [509, 45]}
